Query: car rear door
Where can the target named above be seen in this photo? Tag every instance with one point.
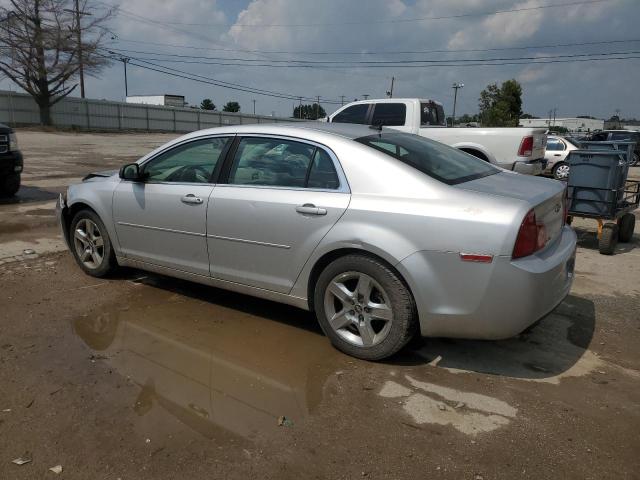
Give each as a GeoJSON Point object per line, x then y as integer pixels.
{"type": "Point", "coordinates": [280, 197]}
{"type": "Point", "coordinates": [162, 220]}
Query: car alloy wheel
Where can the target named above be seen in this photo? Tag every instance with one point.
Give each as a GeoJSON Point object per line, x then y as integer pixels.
{"type": "Point", "coordinates": [89, 243]}
{"type": "Point", "coordinates": [358, 309]}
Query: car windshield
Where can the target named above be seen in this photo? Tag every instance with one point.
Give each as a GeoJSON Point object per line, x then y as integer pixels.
{"type": "Point", "coordinates": [439, 161]}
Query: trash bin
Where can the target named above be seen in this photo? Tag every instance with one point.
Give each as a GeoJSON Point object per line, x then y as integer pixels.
{"type": "Point", "coordinates": [597, 180]}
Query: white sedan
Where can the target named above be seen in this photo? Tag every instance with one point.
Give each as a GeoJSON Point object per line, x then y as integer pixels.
{"type": "Point", "coordinates": [558, 149]}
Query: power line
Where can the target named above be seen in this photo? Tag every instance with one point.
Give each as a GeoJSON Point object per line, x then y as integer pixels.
{"type": "Point", "coordinates": [380, 52]}
{"type": "Point", "coordinates": [212, 81]}
{"type": "Point", "coordinates": [377, 22]}
{"type": "Point", "coordinates": [333, 63]}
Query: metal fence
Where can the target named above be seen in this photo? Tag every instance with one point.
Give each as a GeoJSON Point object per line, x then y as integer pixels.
{"type": "Point", "coordinates": [19, 109]}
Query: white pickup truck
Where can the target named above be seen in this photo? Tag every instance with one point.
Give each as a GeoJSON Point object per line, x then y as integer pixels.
{"type": "Point", "coordinates": [518, 149]}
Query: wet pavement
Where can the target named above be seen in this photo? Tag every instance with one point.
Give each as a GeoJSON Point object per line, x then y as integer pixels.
{"type": "Point", "coordinates": [142, 376]}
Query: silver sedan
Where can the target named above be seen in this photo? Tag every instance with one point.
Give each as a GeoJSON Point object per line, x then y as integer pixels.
{"type": "Point", "coordinates": [382, 234]}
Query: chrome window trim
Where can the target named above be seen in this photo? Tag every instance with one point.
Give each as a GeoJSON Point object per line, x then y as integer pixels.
{"type": "Point", "coordinates": [343, 186]}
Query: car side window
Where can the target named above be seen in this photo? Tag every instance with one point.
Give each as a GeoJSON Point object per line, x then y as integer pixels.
{"type": "Point", "coordinates": [353, 114]}
{"type": "Point", "coordinates": [390, 114]}
{"type": "Point", "coordinates": [192, 162]}
{"type": "Point", "coordinates": [622, 136]}
{"type": "Point", "coordinates": [271, 162]}
{"type": "Point", "coordinates": [323, 172]}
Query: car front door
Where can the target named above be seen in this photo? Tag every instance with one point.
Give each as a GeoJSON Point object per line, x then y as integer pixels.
{"type": "Point", "coordinates": [280, 198]}
{"type": "Point", "coordinates": [162, 219]}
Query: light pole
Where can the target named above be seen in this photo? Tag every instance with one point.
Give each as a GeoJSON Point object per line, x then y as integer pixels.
{"type": "Point", "coordinates": [254, 106]}
{"type": "Point", "coordinates": [124, 61]}
{"type": "Point", "coordinates": [455, 87]}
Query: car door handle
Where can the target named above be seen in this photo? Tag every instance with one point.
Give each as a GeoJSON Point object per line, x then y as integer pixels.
{"type": "Point", "coordinates": [310, 209]}
{"type": "Point", "coordinates": [191, 199]}
{"type": "Point", "coordinates": [557, 154]}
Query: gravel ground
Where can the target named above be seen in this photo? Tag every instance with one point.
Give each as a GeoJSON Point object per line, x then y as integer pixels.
{"type": "Point", "coordinates": [145, 377]}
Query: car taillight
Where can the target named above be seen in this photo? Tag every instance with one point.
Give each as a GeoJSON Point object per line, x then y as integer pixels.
{"type": "Point", "coordinates": [526, 147]}
{"type": "Point", "coordinates": [532, 236]}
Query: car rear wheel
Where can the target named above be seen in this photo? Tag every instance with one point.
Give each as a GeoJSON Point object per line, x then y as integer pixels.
{"type": "Point", "coordinates": [90, 244]}
{"type": "Point", "coordinates": [10, 185]}
{"type": "Point", "coordinates": [364, 307]}
{"type": "Point", "coordinates": [626, 225]}
{"type": "Point", "coordinates": [608, 239]}
{"type": "Point", "coordinates": [561, 171]}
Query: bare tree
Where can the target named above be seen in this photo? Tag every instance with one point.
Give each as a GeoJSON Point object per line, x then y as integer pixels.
{"type": "Point", "coordinates": [44, 44]}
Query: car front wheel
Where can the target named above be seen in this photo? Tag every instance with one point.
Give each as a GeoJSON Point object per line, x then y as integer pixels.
{"type": "Point", "coordinates": [10, 185]}
{"type": "Point", "coordinates": [90, 244]}
{"type": "Point", "coordinates": [364, 307]}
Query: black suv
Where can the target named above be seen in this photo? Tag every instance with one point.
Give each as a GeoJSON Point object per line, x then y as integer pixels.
{"type": "Point", "coordinates": [619, 136]}
{"type": "Point", "coordinates": [10, 162]}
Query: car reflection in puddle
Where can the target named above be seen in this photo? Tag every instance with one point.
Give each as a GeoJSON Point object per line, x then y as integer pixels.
{"type": "Point", "coordinates": [213, 367]}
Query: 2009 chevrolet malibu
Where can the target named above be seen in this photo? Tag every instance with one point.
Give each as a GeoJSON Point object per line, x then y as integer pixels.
{"type": "Point", "coordinates": [382, 234]}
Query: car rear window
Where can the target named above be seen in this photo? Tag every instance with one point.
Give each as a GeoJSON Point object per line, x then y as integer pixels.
{"type": "Point", "coordinates": [432, 114]}
{"type": "Point", "coordinates": [444, 163]}
{"type": "Point", "coordinates": [389, 114]}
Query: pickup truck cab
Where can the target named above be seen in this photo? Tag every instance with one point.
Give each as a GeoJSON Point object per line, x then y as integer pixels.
{"type": "Point", "coordinates": [10, 162]}
{"type": "Point", "coordinates": [518, 149]}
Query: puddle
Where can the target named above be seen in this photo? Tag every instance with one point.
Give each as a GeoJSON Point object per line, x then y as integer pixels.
{"type": "Point", "coordinates": [213, 366]}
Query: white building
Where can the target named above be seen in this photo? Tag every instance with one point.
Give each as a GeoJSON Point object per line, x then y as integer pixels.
{"type": "Point", "coordinates": [573, 124]}
{"type": "Point", "coordinates": [166, 100]}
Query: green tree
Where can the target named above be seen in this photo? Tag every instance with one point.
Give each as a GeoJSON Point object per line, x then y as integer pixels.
{"type": "Point", "coordinates": [311, 112]}
{"type": "Point", "coordinates": [231, 107]}
{"type": "Point", "coordinates": [501, 106]}
{"type": "Point", "coordinates": [528, 115]}
{"type": "Point", "coordinates": [207, 104]}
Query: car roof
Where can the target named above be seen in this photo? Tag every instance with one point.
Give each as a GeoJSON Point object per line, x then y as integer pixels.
{"type": "Point", "coordinates": [303, 129]}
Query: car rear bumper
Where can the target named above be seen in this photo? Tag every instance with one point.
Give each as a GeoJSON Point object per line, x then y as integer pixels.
{"type": "Point", "coordinates": [530, 167]}
{"type": "Point", "coordinates": [489, 300]}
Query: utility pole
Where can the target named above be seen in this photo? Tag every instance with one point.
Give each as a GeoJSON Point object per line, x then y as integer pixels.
{"type": "Point", "coordinates": [254, 106]}
{"type": "Point", "coordinates": [390, 92]}
{"type": "Point", "coordinates": [456, 86]}
{"type": "Point", "coordinates": [125, 60]}
{"type": "Point", "coordinates": [300, 108]}
{"type": "Point", "coordinates": [554, 116]}
{"type": "Point", "coordinates": [77, 13]}
{"type": "Point", "coordinates": [342, 100]}
{"type": "Point", "coordinates": [318, 107]}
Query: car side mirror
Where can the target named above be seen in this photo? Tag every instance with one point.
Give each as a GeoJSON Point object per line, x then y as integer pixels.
{"type": "Point", "coordinates": [131, 172]}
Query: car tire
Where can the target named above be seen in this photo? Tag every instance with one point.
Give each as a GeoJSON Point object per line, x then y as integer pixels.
{"type": "Point", "coordinates": [10, 185]}
{"type": "Point", "coordinates": [608, 239]}
{"type": "Point", "coordinates": [626, 227]}
{"type": "Point", "coordinates": [560, 171]}
{"type": "Point", "coordinates": [373, 311]}
{"type": "Point", "coordinates": [90, 244]}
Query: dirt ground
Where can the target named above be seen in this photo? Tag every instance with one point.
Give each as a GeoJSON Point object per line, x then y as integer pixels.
{"type": "Point", "coordinates": [146, 377]}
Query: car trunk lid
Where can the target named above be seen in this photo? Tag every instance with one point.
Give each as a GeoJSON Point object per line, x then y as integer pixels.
{"type": "Point", "coordinates": [545, 196]}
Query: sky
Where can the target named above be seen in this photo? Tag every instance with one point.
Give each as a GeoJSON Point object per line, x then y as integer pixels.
{"type": "Point", "coordinates": [377, 30]}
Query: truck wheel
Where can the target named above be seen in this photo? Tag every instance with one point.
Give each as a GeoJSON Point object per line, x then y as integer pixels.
{"type": "Point", "coordinates": [626, 225]}
{"type": "Point", "coordinates": [10, 185]}
{"type": "Point", "coordinates": [364, 307]}
{"type": "Point", "coordinates": [608, 239]}
{"type": "Point", "coordinates": [90, 244]}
